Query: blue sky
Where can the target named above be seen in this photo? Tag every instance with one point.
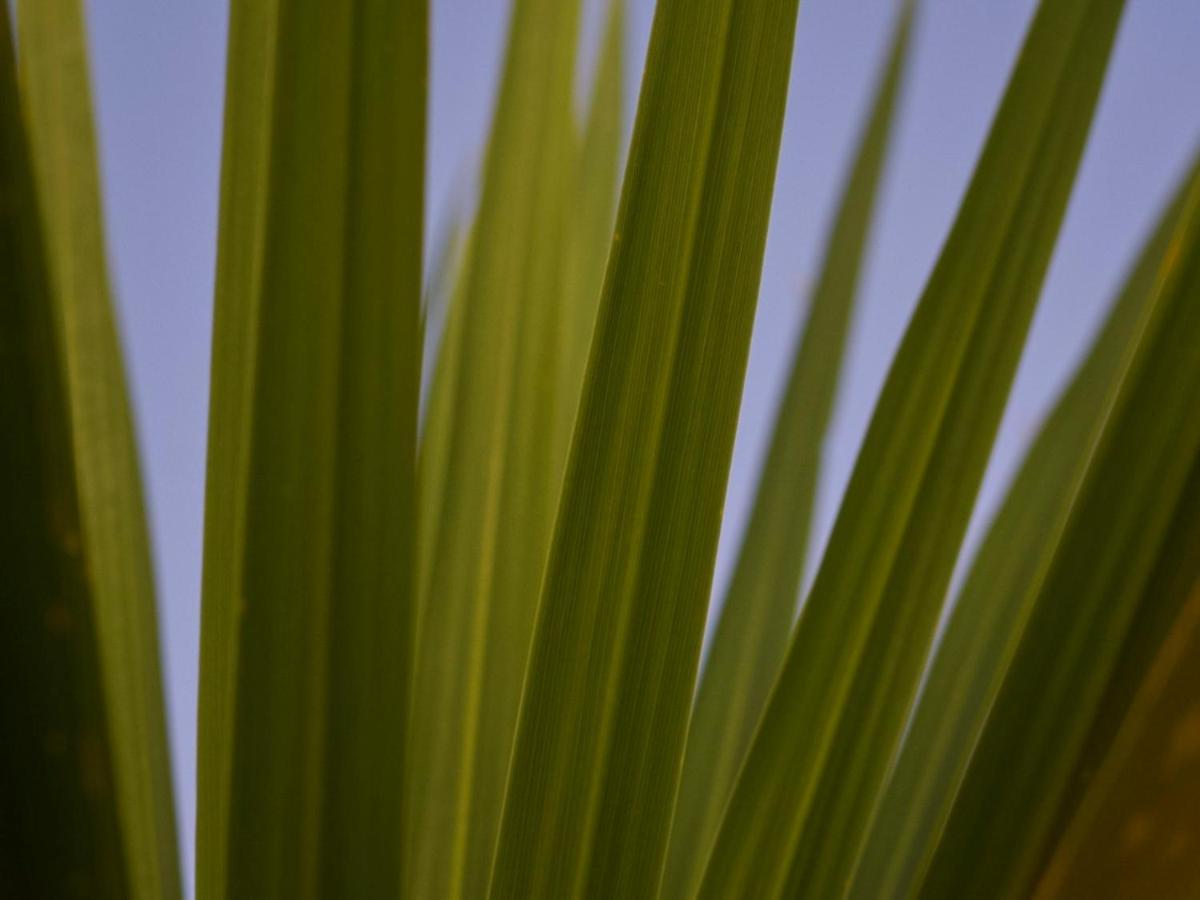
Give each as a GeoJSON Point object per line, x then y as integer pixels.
{"type": "Point", "coordinates": [159, 83]}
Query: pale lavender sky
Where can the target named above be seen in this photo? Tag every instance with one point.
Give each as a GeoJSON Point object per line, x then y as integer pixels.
{"type": "Point", "coordinates": [159, 72]}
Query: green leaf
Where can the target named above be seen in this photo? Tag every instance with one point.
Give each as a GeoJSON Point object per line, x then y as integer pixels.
{"type": "Point", "coordinates": [800, 808]}
{"type": "Point", "coordinates": [605, 707]}
{"type": "Point", "coordinates": [995, 602]}
{"type": "Point", "coordinates": [1094, 598]}
{"type": "Point", "coordinates": [60, 827]}
{"type": "Point", "coordinates": [756, 617]}
{"type": "Point", "coordinates": [310, 571]}
{"type": "Point", "coordinates": [250, 77]}
{"type": "Point", "coordinates": [497, 463]}
{"type": "Point", "coordinates": [54, 85]}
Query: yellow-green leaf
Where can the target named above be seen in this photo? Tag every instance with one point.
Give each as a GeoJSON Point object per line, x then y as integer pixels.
{"type": "Point", "coordinates": [756, 616]}
{"type": "Point", "coordinates": [310, 582]}
{"type": "Point", "coordinates": [613, 662]}
{"type": "Point", "coordinates": [497, 463]}
{"type": "Point", "coordinates": [994, 604]}
{"type": "Point", "coordinates": [54, 85]}
{"type": "Point", "coordinates": [799, 811]}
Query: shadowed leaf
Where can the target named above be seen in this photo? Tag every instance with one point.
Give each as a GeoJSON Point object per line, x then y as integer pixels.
{"type": "Point", "coordinates": [1134, 832]}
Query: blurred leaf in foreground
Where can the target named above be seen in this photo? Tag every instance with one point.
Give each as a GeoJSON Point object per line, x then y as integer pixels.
{"type": "Point", "coordinates": [60, 827]}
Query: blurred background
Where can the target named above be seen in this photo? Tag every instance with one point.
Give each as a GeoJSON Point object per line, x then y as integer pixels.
{"type": "Point", "coordinates": [159, 82]}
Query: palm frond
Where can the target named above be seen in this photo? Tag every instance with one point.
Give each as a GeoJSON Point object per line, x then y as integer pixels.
{"type": "Point", "coordinates": [837, 712]}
